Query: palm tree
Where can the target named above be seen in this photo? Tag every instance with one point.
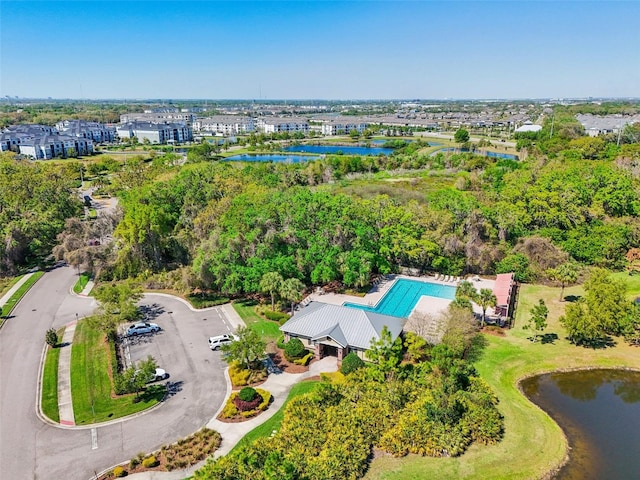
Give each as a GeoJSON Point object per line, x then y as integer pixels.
{"type": "Point", "coordinates": [485, 299]}
{"type": "Point", "coordinates": [270, 283]}
{"type": "Point", "coordinates": [291, 290]}
{"type": "Point", "coordinates": [466, 290]}
{"type": "Point", "coordinates": [566, 274]}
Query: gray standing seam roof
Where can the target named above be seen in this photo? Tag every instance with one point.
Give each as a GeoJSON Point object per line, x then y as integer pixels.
{"type": "Point", "coordinates": [347, 326]}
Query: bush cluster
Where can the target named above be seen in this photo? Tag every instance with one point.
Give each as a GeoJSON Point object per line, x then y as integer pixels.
{"type": "Point", "coordinates": [294, 349]}
{"type": "Point", "coordinates": [150, 462]}
{"type": "Point", "coordinates": [351, 363]}
{"type": "Point", "coordinates": [192, 449]}
{"type": "Point", "coordinates": [247, 400]}
{"type": "Point", "coordinates": [247, 394]}
{"type": "Point", "coordinates": [119, 472]}
{"type": "Point", "coordinates": [239, 376]}
{"type": "Point", "coordinates": [234, 405]}
{"type": "Point", "coordinates": [279, 317]}
{"type": "Point", "coordinates": [304, 361]}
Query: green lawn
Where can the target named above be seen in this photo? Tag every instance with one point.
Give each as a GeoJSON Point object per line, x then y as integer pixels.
{"type": "Point", "coordinates": [268, 329]}
{"type": "Point", "coordinates": [6, 283]}
{"type": "Point", "coordinates": [533, 444]}
{"type": "Point", "coordinates": [274, 422]}
{"type": "Point", "coordinates": [632, 281]}
{"type": "Point", "coordinates": [16, 297]}
{"type": "Point", "coordinates": [91, 385]}
{"type": "Point", "coordinates": [50, 382]}
{"type": "Point", "coordinates": [83, 279]}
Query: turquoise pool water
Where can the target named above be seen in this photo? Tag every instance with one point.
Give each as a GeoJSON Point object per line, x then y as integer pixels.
{"type": "Point", "coordinates": [402, 297]}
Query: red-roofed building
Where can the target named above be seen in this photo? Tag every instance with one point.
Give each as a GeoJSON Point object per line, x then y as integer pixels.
{"type": "Point", "coordinates": [504, 289]}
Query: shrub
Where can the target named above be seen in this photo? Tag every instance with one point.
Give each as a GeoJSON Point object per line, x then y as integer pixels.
{"type": "Point", "coordinates": [351, 363]}
{"type": "Point", "coordinates": [281, 343]}
{"type": "Point", "coordinates": [119, 472]}
{"type": "Point", "coordinates": [247, 394]}
{"type": "Point", "coordinates": [304, 361]}
{"type": "Point", "coordinates": [294, 349]}
{"type": "Point", "coordinates": [247, 405]}
{"type": "Point", "coordinates": [276, 316]}
{"type": "Point", "coordinates": [266, 399]}
{"type": "Point", "coordinates": [51, 337]}
{"type": "Point", "coordinates": [238, 375]}
{"type": "Point", "coordinates": [230, 410]}
{"type": "Point", "coordinates": [150, 462]}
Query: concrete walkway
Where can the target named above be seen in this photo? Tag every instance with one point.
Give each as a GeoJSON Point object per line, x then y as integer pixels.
{"type": "Point", "coordinates": [279, 385]}
{"type": "Point", "coordinates": [65, 404]}
{"type": "Point", "coordinates": [5, 298]}
{"type": "Point", "coordinates": [87, 289]}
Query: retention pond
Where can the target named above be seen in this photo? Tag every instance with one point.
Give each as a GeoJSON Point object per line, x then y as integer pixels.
{"type": "Point", "coordinates": [599, 411]}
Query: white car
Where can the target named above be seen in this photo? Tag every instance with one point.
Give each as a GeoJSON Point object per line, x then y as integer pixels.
{"type": "Point", "coordinates": [142, 328]}
{"type": "Point", "coordinates": [160, 374]}
{"type": "Point", "coordinates": [216, 342]}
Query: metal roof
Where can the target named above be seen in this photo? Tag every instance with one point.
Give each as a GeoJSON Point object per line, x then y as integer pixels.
{"type": "Point", "coordinates": [347, 326]}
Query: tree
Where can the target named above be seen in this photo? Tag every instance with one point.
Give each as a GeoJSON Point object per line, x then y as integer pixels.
{"type": "Point", "coordinates": [460, 330]}
{"type": "Point", "coordinates": [117, 305]}
{"type": "Point", "coordinates": [51, 337]}
{"type": "Point", "coordinates": [247, 349]}
{"type": "Point", "coordinates": [461, 136]}
{"type": "Point", "coordinates": [466, 290]}
{"type": "Point", "coordinates": [633, 261]}
{"type": "Point", "coordinates": [385, 354]}
{"type": "Point", "coordinates": [538, 319]}
{"type": "Point", "coordinates": [485, 299]}
{"type": "Point", "coordinates": [291, 290]}
{"type": "Point", "coordinates": [566, 273]}
{"type": "Point", "coordinates": [271, 283]}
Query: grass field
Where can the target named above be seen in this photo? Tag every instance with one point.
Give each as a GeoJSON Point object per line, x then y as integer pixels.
{"type": "Point", "coordinates": [83, 279]}
{"type": "Point", "coordinates": [267, 428]}
{"type": "Point", "coordinates": [269, 330]}
{"type": "Point", "coordinates": [533, 444]}
{"type": "Point", "coordinates": [91, 385]}
{"type": "Point", "coordinates": [6, 283]}
{"type": "Point", "coordinates": [49, 391]}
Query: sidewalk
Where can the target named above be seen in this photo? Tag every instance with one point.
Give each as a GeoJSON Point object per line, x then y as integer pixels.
{"type": "Point", "coordinates": [5, 298]}
{"type": "Point", "coordinates": [278, 384]}
{"type": "Point", "coordinates": [87, 289]}
{"type": "Point", "coordinates": [65, 404]}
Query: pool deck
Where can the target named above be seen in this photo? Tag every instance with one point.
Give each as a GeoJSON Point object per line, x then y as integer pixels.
{"type": "Point", "coordinates": [426, 304]}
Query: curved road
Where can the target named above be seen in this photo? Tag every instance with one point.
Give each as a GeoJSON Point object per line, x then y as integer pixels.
{"type": "Point", "coordinates": [32, 449]}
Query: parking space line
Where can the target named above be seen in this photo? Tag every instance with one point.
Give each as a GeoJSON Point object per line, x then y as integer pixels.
{"type": "Point", "coordinates": [94, 438]}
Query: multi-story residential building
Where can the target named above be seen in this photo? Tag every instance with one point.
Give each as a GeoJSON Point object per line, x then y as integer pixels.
{"type": "Point", "coordinates": [225, 125]}
{"type": "Point", "coordinates": [156, 132]}
{"type": "Point", "coordinates": [342, 125]}
{"type": "Point", "coordinates": [278, 125]}
{"type": "Point", "coordinates": [95, 131]}
{"type": "Point", "coordinates": [159, 117]}
{"type": "Point", "coordinates": [43, 142]}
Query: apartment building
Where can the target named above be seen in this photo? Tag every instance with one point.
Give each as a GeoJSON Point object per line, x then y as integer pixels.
{"type": "Point", "coordinates": [43, 142]}
{"type": "Point", "coordinates": [97, 132]}
{"type": "Point", "coordinates": [342, 126]}
{"type": "Point", "coordinates": [279, 125]}
{"type": "Point", "coordinates": [156, 132]}
{"type": "Point", "coordinates": [159, 117]}
{"type": "Point", "coordinates": [225, 125]}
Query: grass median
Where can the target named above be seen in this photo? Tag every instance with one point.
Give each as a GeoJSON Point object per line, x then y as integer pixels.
{"type": "Point", "coordinates": [49, 401]}
{"type": "Point", "coordinates": [83, 279]}
{"type": "Point", "coordinates": [17, 296]}
{"type": "Point", "coordinates": [267, 428]}
{"type": "Point", "coordinates": [91, 386]}
{"type": "Point", "coordinates": [533, 444]}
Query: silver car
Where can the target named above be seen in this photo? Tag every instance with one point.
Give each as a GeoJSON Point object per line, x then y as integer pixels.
{"type": "Point", "coordinates": [142, 328]}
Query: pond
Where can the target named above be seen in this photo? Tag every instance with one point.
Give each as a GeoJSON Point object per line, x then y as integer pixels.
{"type": "Point", "coordinates": [599, 411]}
{"type": "Point", "coordinates": [345, 149]}
{"type": "Point", "coordinates": [273, 157]}
{"type": "Point", "coordinates": [509, 156]}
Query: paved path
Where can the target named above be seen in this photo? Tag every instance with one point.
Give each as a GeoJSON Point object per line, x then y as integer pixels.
{"type": "Point", "coordinates": [279, 385]}
{"type": "Point", "coordinates": [65, 404]}
{"type": "Point", "coordinates": [5, 298]}
{"type": "Point", "coordinates": [87, 289]}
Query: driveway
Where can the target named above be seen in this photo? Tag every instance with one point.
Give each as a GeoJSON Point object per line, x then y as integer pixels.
{"type": "Point", "coordinates": [30, 448]}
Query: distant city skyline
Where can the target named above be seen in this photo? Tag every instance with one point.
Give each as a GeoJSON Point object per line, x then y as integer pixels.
{"type": "Point", "coordinates": [319, 50]}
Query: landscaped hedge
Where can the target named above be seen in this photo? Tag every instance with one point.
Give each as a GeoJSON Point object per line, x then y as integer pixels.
{"type": "Point", "coordinates": [241, 377]}
{"type": "Point", "coordinates": [293, 349]}
{"type": "Point", "coordinates": [279, 317]}
{"type": "Point", "coordinates": [231, 409]}
{"type": "Point", "coordinates": [351, 363]}
{"type": "Point", "coordinates": [304, 361]}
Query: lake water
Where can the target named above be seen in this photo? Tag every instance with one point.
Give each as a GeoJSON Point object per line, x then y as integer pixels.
{"type": "Point", "coordinates": [345, 149]}
{"type": "Point", "coordinates": [272, 157]}
{"type": "Point", "coordinates": [599, 411]}
{"type": "Point", "coordinates": [486, 154]}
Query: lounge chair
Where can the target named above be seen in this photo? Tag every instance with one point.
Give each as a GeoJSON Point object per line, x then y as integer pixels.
{"type": "Point", "coordinates": [458, 280]}
{"type": "Point", "coordinates": [437, 276]}
{"type": "Point", "coordinates": [446, 278]}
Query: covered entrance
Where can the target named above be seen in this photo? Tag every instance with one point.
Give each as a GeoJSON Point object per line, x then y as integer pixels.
{"type": "Point", "coordinates": [327, 347]}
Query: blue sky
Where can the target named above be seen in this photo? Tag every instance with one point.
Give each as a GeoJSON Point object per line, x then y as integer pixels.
{"type": "Point", "coordinates": [319, 49]}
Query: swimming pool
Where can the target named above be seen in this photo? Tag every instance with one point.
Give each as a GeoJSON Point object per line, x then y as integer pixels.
{"type": "Point", "coordinates": [402, 297]}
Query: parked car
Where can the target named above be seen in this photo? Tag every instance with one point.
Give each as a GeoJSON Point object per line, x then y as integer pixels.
{"type": "Point", "coordinates": [142, 328]}
{"type": "Point", "coordinates": [216, 342]}
{"type": "Point", "coordinates": [159, 374]}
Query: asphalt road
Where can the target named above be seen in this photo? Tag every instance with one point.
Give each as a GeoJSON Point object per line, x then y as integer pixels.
{"type": "Point", "coordinates": [32, 449]}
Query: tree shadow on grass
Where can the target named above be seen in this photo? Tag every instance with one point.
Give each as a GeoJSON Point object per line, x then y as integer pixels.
{"type": "Point", "coordinates": [478, 345]}
{"type": "Point", "coordinates": [572, 298]}
{"type": "Point", "coordinates": [248, 302]}
{"type": "Point", "coordinates": [596, 343]}
{"type": "Point", "coordinates": [549, 338]}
